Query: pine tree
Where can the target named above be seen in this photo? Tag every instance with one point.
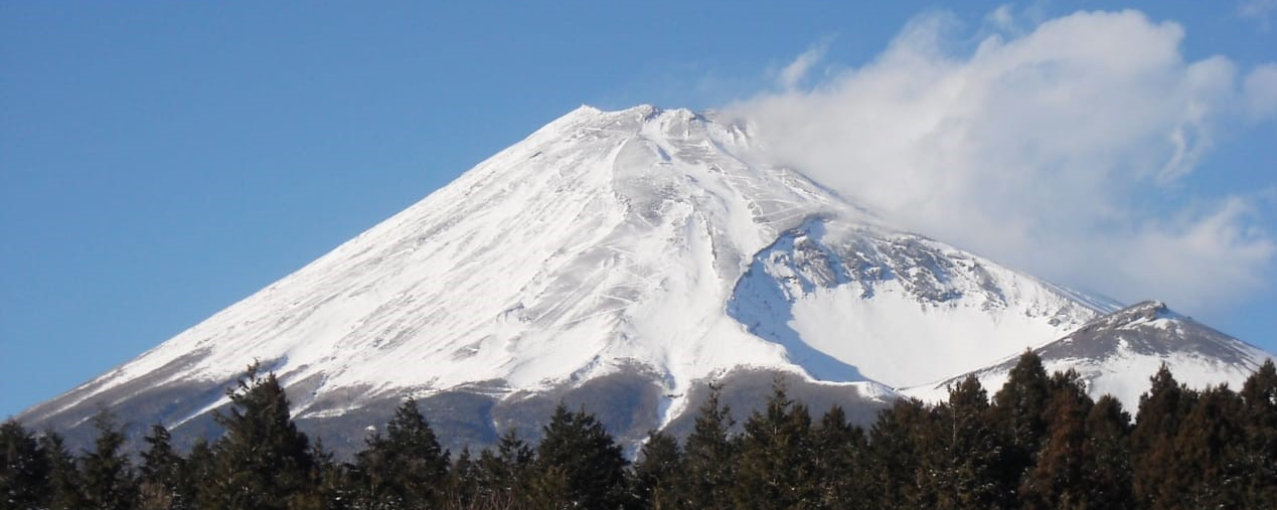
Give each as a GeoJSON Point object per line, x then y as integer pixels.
{"type": "Point", "coordinates": [160, 475]}
{"type": "Point", "coordinates": [578, 448]}
{"type": "Point", "coordinates": [505, 474]}
{"type": "Point", "coordinates": [655, 473]}
{"type": "Point", "coordinates": [841, 455]}
{"type": "Point", "coordinates": [463, 481]}
{"type": "Point", "coordinates": [108, 475]}
{"type": "Point", "coordinates": [894, 450]}
{"type": "Point", "coordinates": [1156, 469]}
{"type": "Point", "coordinates": [1107, 457]}
{"type": "Point", "coordinates": [262, 461]}
{"type": "Point", "coordinates": [64, 476]}
{"type": "Point", "coordinates": [328, 487]}
{"type": "Point", "coordinates": [24, 472]}
{"type": "Point", "coordinates": [550, 489]}
{"type": "Point", "coordinates": [961, 455]}
{"type": "Point", "coordinates": [1056, 481]}
{"type": "Point", "coordinates": [198, 470]}
{"type": "Point", "coordinates": [776, 468]}
{"type": "Point", "coordinates": [407, 467]}
{"type": "Point", "coordinates": [1018, 413]}
{"type": "Point", "coordinates": [1209, 452]}
{"type": "Point", "coordinates": [1259, 419]}
{"type": "Point", "coordinates": [709, 458]}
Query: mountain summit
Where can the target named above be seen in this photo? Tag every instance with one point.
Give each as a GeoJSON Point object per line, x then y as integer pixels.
{"type": "Point", "coordinates": [639, 252]}
{"type": "Point", "coordinates": [1118, 353]}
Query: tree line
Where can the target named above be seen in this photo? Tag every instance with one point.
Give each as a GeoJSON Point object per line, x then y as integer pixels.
{"type": "Point", "coordinates": [1040, 442]}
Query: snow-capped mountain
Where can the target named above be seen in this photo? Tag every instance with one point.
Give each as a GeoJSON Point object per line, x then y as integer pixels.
{"type": "Point", "coordinates": [642, 249]}
{"type": "Point", "coordinates": [1118, 354]}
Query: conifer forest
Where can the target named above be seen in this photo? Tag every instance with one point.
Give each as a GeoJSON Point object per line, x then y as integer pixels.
{"type": "Point", "coordinates": [1038, 443]}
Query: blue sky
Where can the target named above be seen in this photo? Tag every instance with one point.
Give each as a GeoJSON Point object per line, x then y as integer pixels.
{"type": "Point", "coordinates": [161, 160]}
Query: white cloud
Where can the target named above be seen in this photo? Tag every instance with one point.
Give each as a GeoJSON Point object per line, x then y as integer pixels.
{"type": "Point", "coordinates": [1258, 10]}
{"type": "Point", "coordinates": [1061, 150]}
{"type": "Point", "coordinates": [1260, 90]}
{"type": "Point", "coordinates": [1001, 18]}
{"type": "Point", "coordinates": [792, 74]}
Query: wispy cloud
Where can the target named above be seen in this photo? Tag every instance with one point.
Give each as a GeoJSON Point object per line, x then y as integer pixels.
{"type": "Point", "coordinates": [1260, 89]}
{"type": "Point", "coordinates": [1260, 11]}
{"type": "Point", "coordinates": [1061, 149]}
{"type": "Point", "coordinates": [791, 75]}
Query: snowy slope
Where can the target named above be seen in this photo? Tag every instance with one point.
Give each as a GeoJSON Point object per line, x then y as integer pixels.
{"type": "Point", "coordinates": [602, 242]}
{"type": "Point", "coordinates": [1118, 353]}
{"type": "Point", "coordinates": [903, 309]}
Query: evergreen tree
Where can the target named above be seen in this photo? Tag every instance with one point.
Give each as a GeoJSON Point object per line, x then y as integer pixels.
{"type": "Point", "coordinates": [1209, 450]}
{"type": "Point", "coordinates": [64, 476]}
{"type": "Point", "coordinates": [577, 448]}
{"type": "Point", "coordinates": [1018, 413]}
{"type": "Point", "coordinates": [550, 489]}
{"type": "Point", "coordinates": [107, 473]}
{"type": "Point", "coordinates": [894, 450]}
{"type": "Point", "coordinates": [655, 473]}
{"type": "Point", "coordinates": [262, 461]}
{"type": "Point", "coordinates": [776, 468]}
{"type": "Point", "coordinates": [1155, 468]}
{"type": "Point", "coordinates": [199, 469]}
{"type": "Point", "coordinates": [1107, 456]}
{"type": "Point", "coordinates": [463, 481]}
{"type": "Point", "coordinates": [1259, 419]}
{"type": "Point", "coordinates": [24, 473]}
{"type": "Point", "coordinates": [709, 458]}
{"type": "Point", "coordinates": [505, 475]}
{"type": "Point", "coordinates": [328, 487]}
{"type": "Point", "coordinates": [407, 467]}
{"type": "Point", "coordinates": [841, 455]}
{"type": "Point", "coordinates": [160, 481]}
{"type": "Point", "coordinates": [961, 453]}
{"type": "Point", "coordinates": [1057, 480]}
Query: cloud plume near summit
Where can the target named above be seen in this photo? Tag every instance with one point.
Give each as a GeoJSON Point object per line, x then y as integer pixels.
{"type": "Point", "coordinates": [1061, 148]}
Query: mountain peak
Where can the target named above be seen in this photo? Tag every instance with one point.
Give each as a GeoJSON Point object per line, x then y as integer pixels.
{"type": "Point", "coordinates": [1151, 317]}
{"type": "Point", "coordinates": [1149, 310]}
{"type": "Point", "coordinates": [593, 117]}
{"type": "Point", "coordinates": [648, 245]}
{"type": "Point", "coordinates": [1118, 352]}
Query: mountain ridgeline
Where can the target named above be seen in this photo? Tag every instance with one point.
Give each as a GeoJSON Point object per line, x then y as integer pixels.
{"type": "Point", "coordinates": [625, 262]}
{"type": "Point", "coordinates": [1040, 442]}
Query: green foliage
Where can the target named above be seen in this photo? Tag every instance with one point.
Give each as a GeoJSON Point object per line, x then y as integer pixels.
{"type": "Point", "coordinates": [406, 467]}
{"type": "Point", "coordinates": [1186, 450]}
{"type": "Point", "coordinates": [160, 483]}
{"type": "Point", "coordinates": [1019, 410]}
{"type": "Point", "coordinates": [1259, 420]}
{"type": "Point", "coordinates": [960, 453]}
{"type": "Point", "coordinates": [1208, 452]}
{"type": "Point", "coordinates": [328, 486]}
{"type": "Point", "coordinates": [463, 480]}
{"type": "Point", "coordinates": [1107, 457]}
{"type": "Point", "coordinates": [1157, 479]}
{"type": "Point", "coordinates": [107, 473]}
{"type": "Point", "coordinates": [842, 464]}
{"type": "Point", "coordinates": [24, 473]}
{"type": "Point", "coordinates": [894, 450]}
{"type": "Point", "coordinates": [1057, 479]}
{"type": "Point", "coordinates": [656, 472]}
{"type": "Point", "coordinates": [64, 476]}
{"type": "Point", "coordinates": [776, 457]}
{"type": "Point", "coordinates": [262, 461]}
{"type": "Point", "coordinates": [709, 458]}
{"type": "Point", "coordinates": [199, 469]}
{"type": "Point", "coordinates": [578, 464]}
{"type": "Point", "coordinates": [504, 475]}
